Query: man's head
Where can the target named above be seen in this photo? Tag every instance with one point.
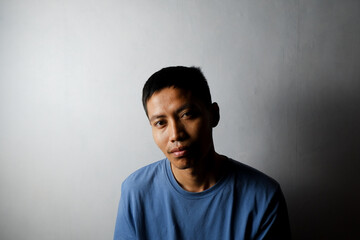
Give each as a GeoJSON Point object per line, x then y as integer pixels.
{"type": "Point", "coordinates": [178, 104]}
{"type": "Point", "coordinates": [186, 78]}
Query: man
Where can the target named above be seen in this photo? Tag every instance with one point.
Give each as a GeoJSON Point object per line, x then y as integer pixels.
{"type": "Point", "coordinates": [195, 193]}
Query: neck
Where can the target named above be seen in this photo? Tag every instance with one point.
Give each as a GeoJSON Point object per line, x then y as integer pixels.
{"type": "Point", "coordinates": [203, 175]}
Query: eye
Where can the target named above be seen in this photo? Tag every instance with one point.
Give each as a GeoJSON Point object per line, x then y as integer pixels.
{"type": "Point", "coordinates": [188, 114]}
{"type": "Point", "coordinates": [159, 123]}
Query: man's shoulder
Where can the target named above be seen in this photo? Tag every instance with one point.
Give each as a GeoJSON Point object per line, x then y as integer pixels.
{"type": "Point", "coordinates": [144, 176]}
{"type": "Point", "coordinates": [250, 177]}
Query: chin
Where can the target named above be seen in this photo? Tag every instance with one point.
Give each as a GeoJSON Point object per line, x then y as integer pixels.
{"type": "Point", "coordinates": [181, 163]}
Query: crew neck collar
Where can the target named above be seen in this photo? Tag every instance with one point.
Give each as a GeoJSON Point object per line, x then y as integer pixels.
{"type": "Point", "coordinates": [193, 195]}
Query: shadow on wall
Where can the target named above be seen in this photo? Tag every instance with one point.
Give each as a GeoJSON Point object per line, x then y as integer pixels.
{"type": "Point", "coordinates": [324, 201]}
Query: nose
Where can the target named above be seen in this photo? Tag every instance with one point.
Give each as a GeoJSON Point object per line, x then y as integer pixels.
{"type": "Point", "coordinates": [176, 131]}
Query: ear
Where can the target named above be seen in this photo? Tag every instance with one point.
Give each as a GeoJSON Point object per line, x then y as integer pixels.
{"type": "Point", "coordinates": [215, 114]}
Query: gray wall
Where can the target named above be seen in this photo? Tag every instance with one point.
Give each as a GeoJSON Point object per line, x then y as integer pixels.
{"type": "Point", "coordinates": [286, 75]}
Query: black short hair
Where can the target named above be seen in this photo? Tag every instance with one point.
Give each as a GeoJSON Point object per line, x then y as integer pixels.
{"type": "Point", "coordinates": [187, 78]}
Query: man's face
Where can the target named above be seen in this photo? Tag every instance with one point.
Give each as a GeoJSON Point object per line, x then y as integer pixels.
{"type": "Point", "coordinates": [181, 126]}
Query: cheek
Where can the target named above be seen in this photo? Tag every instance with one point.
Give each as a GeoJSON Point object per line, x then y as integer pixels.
{"type": "Point", "coordinates": [200, 130]}
{"type": "Point", "coordinates": [159, 138]}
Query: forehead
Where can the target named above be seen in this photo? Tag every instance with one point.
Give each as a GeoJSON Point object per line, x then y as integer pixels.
{"type": "Point", "coordinates": [170, 93]}
{"type": "Point", "coordinates": [169, 99]}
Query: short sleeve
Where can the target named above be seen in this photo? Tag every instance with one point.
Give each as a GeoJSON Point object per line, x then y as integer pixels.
{"type": "Point", "coordinates": [275, 222]}
{"type": "Point", "coordinates": [124, 227]}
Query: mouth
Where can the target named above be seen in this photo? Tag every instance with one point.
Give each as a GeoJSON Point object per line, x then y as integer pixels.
{"type": "Point", "coordinates": [179, 151]}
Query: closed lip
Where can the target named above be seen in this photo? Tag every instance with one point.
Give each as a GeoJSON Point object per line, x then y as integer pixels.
{"type": "Point", "coordinates": [179, 151]}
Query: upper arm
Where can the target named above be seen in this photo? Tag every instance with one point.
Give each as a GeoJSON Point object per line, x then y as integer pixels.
{"type": "Point", "coordinates": [125, 227]}
{"type": "Point", "coordinates": [275, 221]}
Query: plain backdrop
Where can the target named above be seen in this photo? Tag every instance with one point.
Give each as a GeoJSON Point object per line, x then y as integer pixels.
{"type": "Point", "coordinates": [285, 73]}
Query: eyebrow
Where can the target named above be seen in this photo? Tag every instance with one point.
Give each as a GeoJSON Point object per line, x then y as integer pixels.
{"type": "Point", "coordinates": [180, 109]}
{"type": "Point", "coordinates": [185, 106]}
{"type": "Point", "coordinates": [156, 117]}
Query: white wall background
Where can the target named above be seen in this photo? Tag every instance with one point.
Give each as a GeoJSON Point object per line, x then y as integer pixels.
{"type": "Point", "coordinates": [286, 74]}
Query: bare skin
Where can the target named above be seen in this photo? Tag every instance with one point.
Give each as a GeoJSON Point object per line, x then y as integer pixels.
{"type": "Point", "coordinates": [198, 179]}
{"type": "Point", "coordinates": [182, 129]}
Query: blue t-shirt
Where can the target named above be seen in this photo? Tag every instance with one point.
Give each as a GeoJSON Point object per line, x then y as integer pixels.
{"type": "Point", "coordinates": [244, 204]}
